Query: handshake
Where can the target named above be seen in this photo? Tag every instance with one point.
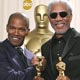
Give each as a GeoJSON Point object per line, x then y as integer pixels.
{"type": "Point", "coordinates": [40, 63]}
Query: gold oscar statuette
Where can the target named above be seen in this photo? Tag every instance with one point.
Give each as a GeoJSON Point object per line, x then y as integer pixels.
{"type": "Point", "coordinates": [39, 66]}
{"type": "Point", "coordinates": [61, 67]}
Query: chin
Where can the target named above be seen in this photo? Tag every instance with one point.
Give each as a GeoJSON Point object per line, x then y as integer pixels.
{"type": "Point", "coordinates": [60, 33]}
{"type": "Point", "coordinates": [16, 44]}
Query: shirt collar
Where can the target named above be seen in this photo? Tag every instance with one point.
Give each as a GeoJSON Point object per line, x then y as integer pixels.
{"type": "Point", "coordinates": [22, 47]}
{"type": "Point", "coordinates": [65, 36]}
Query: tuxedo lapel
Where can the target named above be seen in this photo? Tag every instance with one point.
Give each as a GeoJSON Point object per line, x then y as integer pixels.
{"type": "Point", "coordinates": [70, 42]}
{"type": "Point", "coordinates": [13, 55]}
{"type": "Point", "coordinates": [51, 58]}
{"type": "Point", "coordinates": [16, 60]}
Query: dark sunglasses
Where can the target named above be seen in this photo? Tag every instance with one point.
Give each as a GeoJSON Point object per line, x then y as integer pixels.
{"type": "Point", "coordinates": [63, 14]}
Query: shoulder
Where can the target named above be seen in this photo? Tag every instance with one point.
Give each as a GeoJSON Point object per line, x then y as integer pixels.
{"type": "Point", "coordinates": [2, 48]}
{"type": "Point", "coordinates": [46, 44]}
{"type": "Point", "coordinates": [2, 45]}
{"type": "Point", "coordinates": [75, 33]}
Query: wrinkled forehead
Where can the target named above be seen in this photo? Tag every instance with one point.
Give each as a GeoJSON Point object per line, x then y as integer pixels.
{"type": "Point", "coordinates": [58, 7]}
{"type": "Point", "coordinates": [41, 10]}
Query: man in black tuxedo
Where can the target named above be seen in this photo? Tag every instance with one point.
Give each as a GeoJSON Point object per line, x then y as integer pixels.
{"type": "Point", "coordinates": [65, 44]}
{"type": "Point", "coordinates": [14, 64]}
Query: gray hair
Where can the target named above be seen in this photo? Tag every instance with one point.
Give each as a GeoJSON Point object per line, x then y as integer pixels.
{"type": "Point", "coordinates": [19, 15]}
{"type": "Point", "coordinates": [62, 2]}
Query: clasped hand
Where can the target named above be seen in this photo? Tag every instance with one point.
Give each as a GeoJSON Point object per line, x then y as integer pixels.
{"type": "Point", "coordinates": [36, 60]}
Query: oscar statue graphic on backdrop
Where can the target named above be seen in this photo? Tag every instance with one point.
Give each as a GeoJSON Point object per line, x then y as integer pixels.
{"type": "Point", "coordinates": [61, 67]}
{"type": "Point", "coordinates": [27, 4]}
{"type": "Point", "coordinates": [41, 33]}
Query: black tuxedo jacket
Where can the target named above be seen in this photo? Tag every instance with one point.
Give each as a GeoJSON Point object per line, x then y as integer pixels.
{"type": "Point", "coordinates": [70, 55]}
{"type": "Point", "coordinates": [11, 66]}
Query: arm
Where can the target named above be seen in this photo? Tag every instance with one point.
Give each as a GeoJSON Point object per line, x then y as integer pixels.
{"type": "Point", "coordinates": [9, 71]}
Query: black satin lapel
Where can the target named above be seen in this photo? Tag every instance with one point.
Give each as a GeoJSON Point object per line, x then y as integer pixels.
{"type": "Point", "coordinates": [12, 54]}
{"type": "Point", "coordinates": [16, 61]}
{"type": "Point", "coordinates": [51, 58]}
{"type": "Point", "coordinates": [70, 42]}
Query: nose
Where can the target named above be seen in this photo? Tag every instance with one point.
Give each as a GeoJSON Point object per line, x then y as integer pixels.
{"type": "Point", "coordinates": [58, 17]}
{"type": "Point", "coordinates": [16, 32]}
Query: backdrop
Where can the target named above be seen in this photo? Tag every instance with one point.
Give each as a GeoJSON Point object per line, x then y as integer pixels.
{"type": "Point", "coordinates": [27, 8]}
